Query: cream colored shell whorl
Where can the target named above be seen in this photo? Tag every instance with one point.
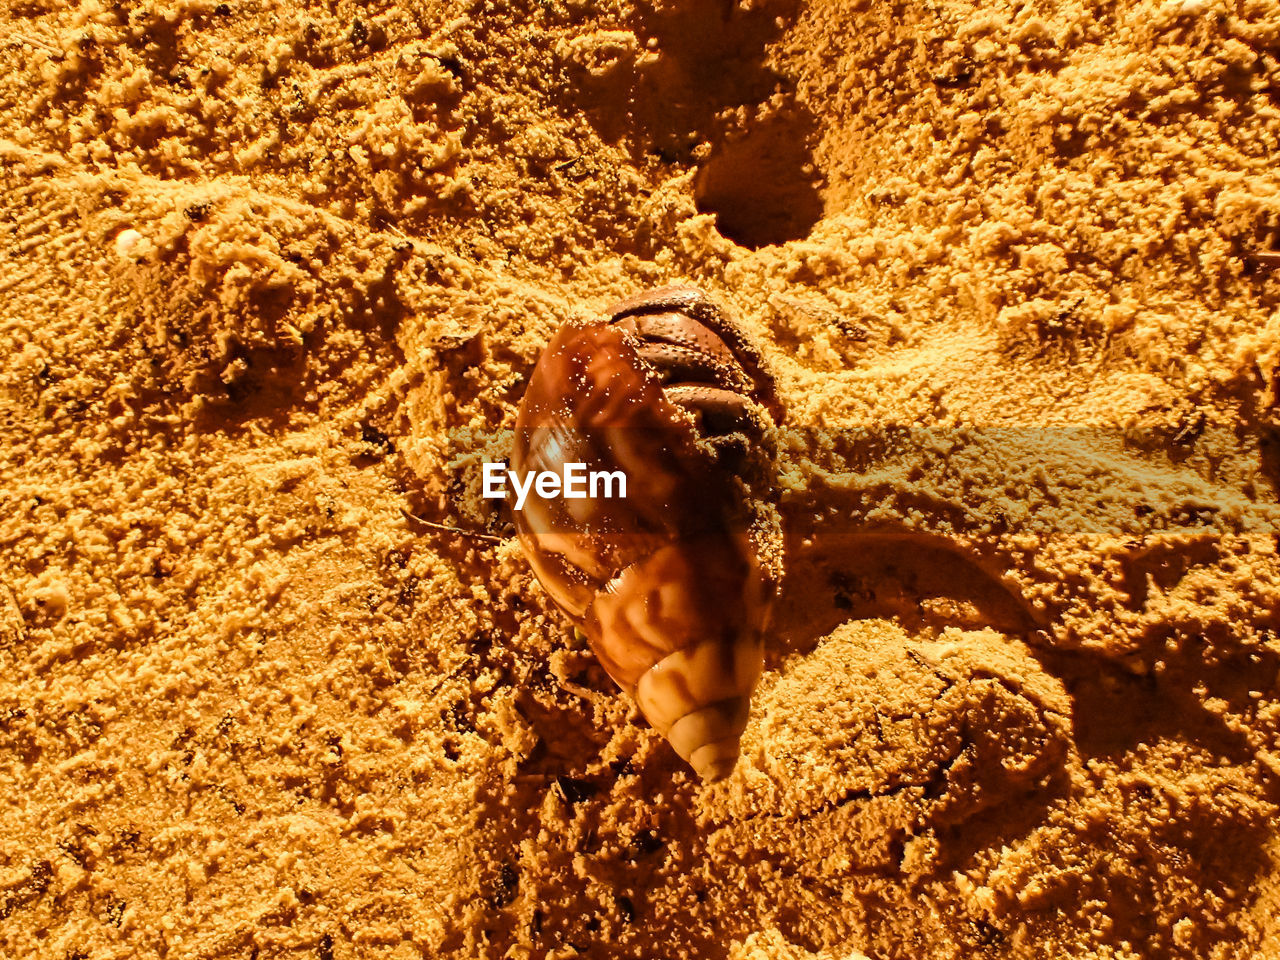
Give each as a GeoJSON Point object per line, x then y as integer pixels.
{"type": "Point", "coordinates": [671, 584]}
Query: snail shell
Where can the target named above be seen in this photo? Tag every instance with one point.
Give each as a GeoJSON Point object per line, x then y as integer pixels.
{"type": "Point", "coordinates": [672, 584]}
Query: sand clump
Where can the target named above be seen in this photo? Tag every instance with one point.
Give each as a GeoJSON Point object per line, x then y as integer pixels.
{"type": "Point", "coordinates": [275, 275]}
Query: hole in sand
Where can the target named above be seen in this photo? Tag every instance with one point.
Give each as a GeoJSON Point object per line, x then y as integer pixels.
{"type": "Point", "coordinates": [762, 187]}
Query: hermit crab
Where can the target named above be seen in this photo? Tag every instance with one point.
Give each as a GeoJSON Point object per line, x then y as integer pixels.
{"type": "Point", "coordinates": [671, 573]}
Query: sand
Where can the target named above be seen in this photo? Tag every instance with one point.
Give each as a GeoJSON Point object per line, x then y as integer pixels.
{"type": "Point", "coordinates": [273, 279]}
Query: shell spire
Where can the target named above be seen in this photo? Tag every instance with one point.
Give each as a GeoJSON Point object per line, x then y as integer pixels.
{"type": "Point", "coordinates": [671, 583]}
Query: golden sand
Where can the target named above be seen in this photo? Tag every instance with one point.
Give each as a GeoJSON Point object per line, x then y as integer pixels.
{"type": "Point", "coordinates": [274, 275]}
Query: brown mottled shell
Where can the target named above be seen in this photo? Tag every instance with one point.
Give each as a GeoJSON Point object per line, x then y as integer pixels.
{"type": "Point", "coordinates": [668, 584]}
